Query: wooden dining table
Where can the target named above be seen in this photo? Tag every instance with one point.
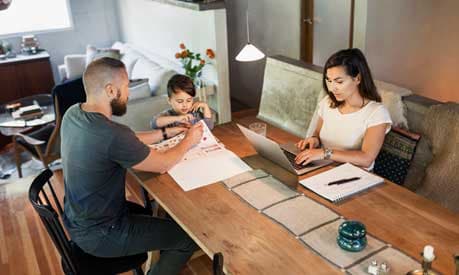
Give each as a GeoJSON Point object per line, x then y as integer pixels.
{"type": "Point", "coordinates": [251, 243]}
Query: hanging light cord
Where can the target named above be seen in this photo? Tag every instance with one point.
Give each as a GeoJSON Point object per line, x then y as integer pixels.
{"type": "Point", "coordinates": [248, 31]}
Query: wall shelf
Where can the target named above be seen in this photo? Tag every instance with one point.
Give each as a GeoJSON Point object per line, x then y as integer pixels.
{"type": "Point", "coordinates": [199, 6]}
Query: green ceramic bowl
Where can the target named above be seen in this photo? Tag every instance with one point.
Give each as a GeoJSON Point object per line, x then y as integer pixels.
{"type": "Point", "coordinates": [352, 230]}
{"type": "Point", "coordinates": [352, 245]}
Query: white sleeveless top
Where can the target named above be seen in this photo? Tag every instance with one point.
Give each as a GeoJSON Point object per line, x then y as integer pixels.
{"type": "Point", "coordinates": [346, 131]}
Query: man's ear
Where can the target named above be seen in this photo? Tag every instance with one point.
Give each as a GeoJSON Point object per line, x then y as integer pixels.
{"type": "Point", "coordinates": [110, 90]}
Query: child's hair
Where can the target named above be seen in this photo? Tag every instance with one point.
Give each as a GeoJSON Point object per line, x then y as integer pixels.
{"type": "Point", "coordinates": [180, 82]}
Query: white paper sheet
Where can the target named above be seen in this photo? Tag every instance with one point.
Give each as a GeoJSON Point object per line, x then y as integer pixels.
{"type": "Point", "coordinates": [200, 168]}
{"type": "Point", "coordinates": [206, 163]}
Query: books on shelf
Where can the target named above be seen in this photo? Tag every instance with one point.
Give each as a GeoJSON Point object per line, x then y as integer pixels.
{"type": "Point", "coordinates": [341, 182]}
{"type": "Point", "coordinates": [28, 112]}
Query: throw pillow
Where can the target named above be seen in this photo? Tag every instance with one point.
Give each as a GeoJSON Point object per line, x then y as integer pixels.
{"type": "Point", "coordinates": [148, 69]}
{"type": "Point", "coordinates": [396, 154]}
{"type": "Point", "coordinates": [139, 88]}
{"type": "Point", "coordinates": [397, 109]}
{"type": "Point", "coordinates": [93, 53]}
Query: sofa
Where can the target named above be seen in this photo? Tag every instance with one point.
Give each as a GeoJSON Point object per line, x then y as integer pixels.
{"type": "Point", "coordinates": [292, 89]}
{"type": "Point", "coordinates": [148, 94]}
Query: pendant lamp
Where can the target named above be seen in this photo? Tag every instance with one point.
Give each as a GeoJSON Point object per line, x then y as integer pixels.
{"type": "Point", "coordinates": [249, 52]}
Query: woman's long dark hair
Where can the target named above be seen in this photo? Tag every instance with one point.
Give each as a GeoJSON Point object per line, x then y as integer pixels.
{"type": "Point", "coordinates": [355, 63]}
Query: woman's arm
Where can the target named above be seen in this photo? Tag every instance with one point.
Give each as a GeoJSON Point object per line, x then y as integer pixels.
{"type": "Point", "coordinates": [372, 143]}
{"type": "Point", "coordinates": [314, 140]}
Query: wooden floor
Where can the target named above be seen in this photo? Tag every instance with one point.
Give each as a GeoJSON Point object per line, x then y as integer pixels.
{"type": "Point", "coordinates": [25, 247]}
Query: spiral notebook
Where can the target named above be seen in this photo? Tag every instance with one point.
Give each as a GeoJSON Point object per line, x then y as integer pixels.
{"type": "Point", "coordinates": [319, 183]}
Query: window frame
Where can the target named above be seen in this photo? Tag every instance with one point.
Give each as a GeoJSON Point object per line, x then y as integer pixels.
{"type": "Point", "coordinates": [19, 34]}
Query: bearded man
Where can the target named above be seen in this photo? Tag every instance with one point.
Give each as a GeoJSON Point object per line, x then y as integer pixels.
{"type": "Point", "coordinates": [96, 152]}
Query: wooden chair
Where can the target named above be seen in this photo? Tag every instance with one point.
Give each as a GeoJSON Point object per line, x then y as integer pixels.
{"type": "Point", "coordinates": [74, 260]}
{"type": "Point", "coordinates": [44, 143]}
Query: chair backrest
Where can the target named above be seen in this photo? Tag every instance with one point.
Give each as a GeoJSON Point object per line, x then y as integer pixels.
{"type": "Point", "coordinates": [40, 199]}
{"type": "Point", "coordinates": [64, 96]}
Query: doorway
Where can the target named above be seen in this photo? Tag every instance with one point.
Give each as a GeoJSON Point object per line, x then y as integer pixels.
{"type": "Point", "coordinates": [326, 27]}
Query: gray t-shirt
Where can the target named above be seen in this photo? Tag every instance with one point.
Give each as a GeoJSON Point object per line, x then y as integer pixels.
{"type": "Point", "coordinates": [95, 154]}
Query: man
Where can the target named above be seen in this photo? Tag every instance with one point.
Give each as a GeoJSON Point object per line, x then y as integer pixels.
{"type": "Point", "coordinates": [95, 154]}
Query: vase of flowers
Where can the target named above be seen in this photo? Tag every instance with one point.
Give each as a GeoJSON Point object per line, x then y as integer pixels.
{"type": "Point", "coordinates": [193, 63]}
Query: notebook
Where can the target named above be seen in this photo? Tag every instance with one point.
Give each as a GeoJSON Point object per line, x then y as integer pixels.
{"type": "Point", "coordinates": [319, 184]}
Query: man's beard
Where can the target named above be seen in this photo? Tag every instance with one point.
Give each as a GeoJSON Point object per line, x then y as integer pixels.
{"type": "Point", "coordinates": [118, 107]}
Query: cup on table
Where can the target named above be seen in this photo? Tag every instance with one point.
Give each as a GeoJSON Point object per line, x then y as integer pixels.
{"type": "Point", "coordinates": [258, 127]}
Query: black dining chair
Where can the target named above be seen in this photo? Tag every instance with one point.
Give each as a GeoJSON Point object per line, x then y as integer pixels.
{"type": "Point", "coordinates": [74, 260]}
{"type": "Point", "coordinates": [44, 143]}
{"type": "Point", "coordinates": [217, 264]}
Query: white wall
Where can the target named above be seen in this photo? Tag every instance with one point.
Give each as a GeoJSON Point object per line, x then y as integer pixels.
{"type": "Point", "coordinates": [279, 22]}
{"type": "Point", "coordinates": [160, 28]}
{"type": "Point", "coordinates": [414, 43]}
{"type": "Point", "coordinates": [331, 28]}
{"type": "Point", "coordinates": [95, 22]}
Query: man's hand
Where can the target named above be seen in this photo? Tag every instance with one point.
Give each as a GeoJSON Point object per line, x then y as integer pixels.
{"type": "Point", "coordinates": [194, 134]}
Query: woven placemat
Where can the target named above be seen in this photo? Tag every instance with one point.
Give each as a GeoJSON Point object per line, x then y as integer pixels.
{"type": "Point", "coordinates": [245, 177]}
{"type": "Point", "coordinates": [398, 262]}
{"type": "Point", "coordinates": [300, 214]}
{"type": "Point", "coordinates": [323, 241]}
{"type": "Point", "coordinates": [264, 192]}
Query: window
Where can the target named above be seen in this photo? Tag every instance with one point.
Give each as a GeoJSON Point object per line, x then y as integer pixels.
{"type": "Point", "coordinates": [32, 16]}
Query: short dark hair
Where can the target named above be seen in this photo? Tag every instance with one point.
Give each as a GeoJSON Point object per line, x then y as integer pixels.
{"type": "Point", "coordinates": [180, 82]}
{"type": "Point", "coordinates": [354, 63]}
{"type": "Point", "coordinates": [100, 72]}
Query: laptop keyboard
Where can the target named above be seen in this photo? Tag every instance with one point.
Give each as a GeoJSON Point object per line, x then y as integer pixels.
{"type": "Point", "coordinates": [291, 157]}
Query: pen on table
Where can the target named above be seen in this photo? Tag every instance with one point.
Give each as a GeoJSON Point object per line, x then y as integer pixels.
{"type": "Point", "coordinates": [341, 181]}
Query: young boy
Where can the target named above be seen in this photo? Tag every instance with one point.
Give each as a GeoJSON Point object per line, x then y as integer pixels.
{"type": "Point", "coordinates": [181, 90]}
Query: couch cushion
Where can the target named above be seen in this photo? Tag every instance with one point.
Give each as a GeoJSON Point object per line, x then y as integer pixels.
{"type": "Point", "coordinates": [139, 89]}
{"type": "Point", "coordinates": [93, 53]}
{"type": "Point", "coordinates": [441, 126]}
{"type": "Point", "coordinates": [144, 68]}
{"type": "Point", "coordinates": [396, 154]}
{"type": "Point", "coordinates": [75, 65]}
{"type": "Point", "coordinates": [140, 111]}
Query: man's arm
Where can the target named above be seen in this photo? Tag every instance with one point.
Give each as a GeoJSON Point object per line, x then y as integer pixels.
{"type": "Point", "coordinates": [161, 162]}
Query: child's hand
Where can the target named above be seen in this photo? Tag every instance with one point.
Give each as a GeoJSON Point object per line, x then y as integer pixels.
{"type": "Point", "coordinates": [185, 119]}
{"type": "Point", "coordinates": [199, 104]}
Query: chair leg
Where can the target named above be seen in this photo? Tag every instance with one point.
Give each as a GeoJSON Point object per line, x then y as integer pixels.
{"type": "Point", "coordinates": [17, 156]}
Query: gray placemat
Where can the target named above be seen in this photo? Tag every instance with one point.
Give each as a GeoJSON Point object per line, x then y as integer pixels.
{"type": "Point", "coordinates": [398, 262]}
{"type": "Point", "coordinates": [300, 214]}
{"type": "Point", "coordinates": [245, 177]}
{"type": "Point", "coordinates": [323, 241]}
{"type": "Point", "coordinates": [264, 192]}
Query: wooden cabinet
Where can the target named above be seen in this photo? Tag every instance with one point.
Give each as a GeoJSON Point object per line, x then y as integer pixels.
{"type": "Point", "coordinates": [23, 76]}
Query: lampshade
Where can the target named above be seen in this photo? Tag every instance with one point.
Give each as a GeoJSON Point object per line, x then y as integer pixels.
{"type": "Point", "coordinates": [249, 53]}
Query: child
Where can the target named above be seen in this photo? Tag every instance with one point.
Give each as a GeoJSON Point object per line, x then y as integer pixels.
{"type": "Point", "coordinates": [181, 90]}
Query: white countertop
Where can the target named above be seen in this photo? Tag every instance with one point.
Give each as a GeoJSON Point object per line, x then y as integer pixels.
{"type": "Point", "coordinates": [25, 57]}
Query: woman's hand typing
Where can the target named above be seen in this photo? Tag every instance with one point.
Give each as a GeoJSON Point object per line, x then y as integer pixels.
{"type": "Point", "coordinates": [310, 142]}
{"type": "Point", "coordinates": [309, 155]}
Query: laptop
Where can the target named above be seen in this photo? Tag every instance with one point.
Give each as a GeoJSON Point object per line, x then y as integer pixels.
{"type": "Point", "coordinates": [283, 155]}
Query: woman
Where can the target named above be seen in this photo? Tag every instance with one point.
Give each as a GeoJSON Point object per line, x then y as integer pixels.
{"type": "Point", "coordinates": [352, 121]}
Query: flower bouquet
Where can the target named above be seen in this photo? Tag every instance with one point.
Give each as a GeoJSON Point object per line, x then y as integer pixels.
{"type": "Point", "coordinates": [193, 62]}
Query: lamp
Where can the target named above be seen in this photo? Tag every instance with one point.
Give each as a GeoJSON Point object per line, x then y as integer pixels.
{"type": "Point", "coordinates": [249, 52]}
{"type": "Point", "coordinates": [4, 4]}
